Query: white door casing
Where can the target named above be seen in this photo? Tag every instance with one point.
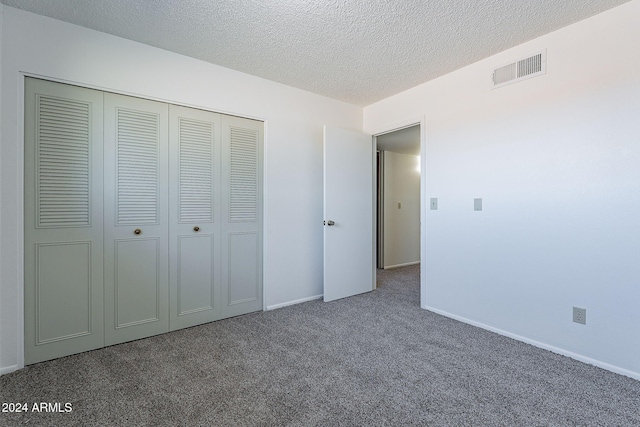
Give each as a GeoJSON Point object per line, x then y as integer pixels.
{"type": "Point", "coordinates": [349, 252]}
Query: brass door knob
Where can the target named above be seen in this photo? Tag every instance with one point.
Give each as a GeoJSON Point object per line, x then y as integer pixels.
{"type": "Point", "coordinates": [137, 231]}
{"type": "Point", "coordinates": [196, 228]}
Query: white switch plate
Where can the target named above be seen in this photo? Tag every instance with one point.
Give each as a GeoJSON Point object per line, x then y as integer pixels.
{"type": "Point", "coordinates": [434, 204]}
{"type": "Point", "coordinates": [477, 204]}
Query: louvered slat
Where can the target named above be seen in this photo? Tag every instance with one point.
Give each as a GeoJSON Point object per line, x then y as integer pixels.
{"type": "Point", "coordinates": [530, 65]}
{"type": "Point", "coordinates": [243, 192]}
{"type": "Point", "coordinates": [63, 166]}
{"type": "Point", "coordinates": [525, 68]}
{"type": "Point", "coordinates": [504, 74]}
{"type": "Point", "coordinates": [196, 163]}
{"type": "Point", "coordinates": [137, 167]}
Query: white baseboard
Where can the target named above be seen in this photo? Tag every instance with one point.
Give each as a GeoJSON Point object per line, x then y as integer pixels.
{"type": "Point", "coordinates": [298, 301]}
{"type": "Point", "coordinates": [554, 349]}
{"type": "Point", "coordinates": [388, 267]}
{"type": "Point", "coordinates": [8, 369]}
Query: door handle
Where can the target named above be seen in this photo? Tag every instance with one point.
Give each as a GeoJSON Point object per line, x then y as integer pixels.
{"type": "Point", "coordinates": [330, 223]}
{"type": "Point", "coordinates": [137, 231]}
{"type": "Point", "coordinates": [196, 228]}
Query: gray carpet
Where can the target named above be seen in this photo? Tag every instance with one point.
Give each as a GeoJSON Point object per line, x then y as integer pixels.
{"type": "Point", "coordinates": [374, 359]}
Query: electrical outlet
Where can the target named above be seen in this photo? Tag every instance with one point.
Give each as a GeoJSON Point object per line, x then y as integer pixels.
{"type": "Point", "coordinates": [580, 315]}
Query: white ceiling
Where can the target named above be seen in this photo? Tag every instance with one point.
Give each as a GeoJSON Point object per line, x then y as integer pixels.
{"type": "Point", "coordinates": [358, 51]}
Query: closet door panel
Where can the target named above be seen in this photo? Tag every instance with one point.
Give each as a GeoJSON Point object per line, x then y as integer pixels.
{"type": "Point", "coordinates": [63, 290]}
{"type": "Point", "coordinates": [196, 292]}
{"type": "Point", "coordinates": [242, 141]}
{"type": "Point", "coordinates": [136, 218]}
{"type": "Point", "coordinates": [244, 278]}
{"type": "Point", "coordinates": [138, 287]}
{"type": "Point", "coordinates": [63, 220]}
{"type": "Point", "coordinates": [194, 217]}
{"type": "Point", "coordinates": [140, 217]}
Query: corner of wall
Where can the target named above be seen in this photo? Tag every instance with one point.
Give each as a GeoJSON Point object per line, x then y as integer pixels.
{"type": "Point", "coordinates": [42, 46]}
{"type": "Point", "coordinates": [568, 134]}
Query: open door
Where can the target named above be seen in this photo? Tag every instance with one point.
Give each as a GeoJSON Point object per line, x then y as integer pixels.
{"type": "Point", "coordinates": [349, 255]}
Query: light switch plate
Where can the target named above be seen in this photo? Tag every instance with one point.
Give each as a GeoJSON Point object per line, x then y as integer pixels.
{"type": "Point", "coordinates": [477, 204]}
{"type": "Point", "coordinates": [434, 204]}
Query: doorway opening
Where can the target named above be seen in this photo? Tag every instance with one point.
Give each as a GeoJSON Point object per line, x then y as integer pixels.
{"type": "Point", "coordinates": [398, 195]}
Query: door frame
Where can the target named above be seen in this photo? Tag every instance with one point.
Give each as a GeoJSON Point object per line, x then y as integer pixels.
{"type": "Point", "coordinates": [379, 208]}
{"type": "Point", "coordinates": [19, 189]}
{"type": "Point", "coordinates": [409, 122]}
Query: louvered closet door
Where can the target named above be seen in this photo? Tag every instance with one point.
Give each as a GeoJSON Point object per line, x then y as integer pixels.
{"type": "Point", "coordinates": [242, 141]}
{"type": "Point", "coordinates": [63, 220]}
{"type": "Point", "coordinates": [135, 218]}
{"type": "Point", "coordinates": [194, 230]}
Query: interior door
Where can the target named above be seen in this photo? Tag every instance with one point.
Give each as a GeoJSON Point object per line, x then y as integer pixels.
{"type": "Point", "coordinates": [241, 196]}
{"type": "Point", "coordinates": [135, 218]}
{"type": "Point", "coordinates": [63, 220]}
{"type": "Point", "coordinates": [349, 160]}
{"type": "Point", "coordinates": [194, 230]}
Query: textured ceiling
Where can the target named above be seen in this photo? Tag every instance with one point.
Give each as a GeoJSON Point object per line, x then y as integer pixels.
{"type": "Point", "coordinates": [358, 51]}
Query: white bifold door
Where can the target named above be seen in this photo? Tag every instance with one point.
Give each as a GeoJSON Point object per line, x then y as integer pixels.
{"type": "Point", "coordinates": [136, 218]}
{"type": "Point", "coordinates": [215, 216]}
{"type": "Point", "coordinates": [194, 217]}
{"type": "Point", "coordinates": [140, 217]}
{"type": "Point", "coordinates": [63, 204]}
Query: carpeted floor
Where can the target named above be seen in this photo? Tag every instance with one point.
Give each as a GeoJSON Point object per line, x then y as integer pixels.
{"type": "Point", "coordinates": [369, 360]}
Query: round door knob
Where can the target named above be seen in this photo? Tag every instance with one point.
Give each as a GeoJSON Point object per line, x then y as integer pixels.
{"type": "Point", "coordinates": [196, 228]}
{"type": "Point", "coordinates": [137, 231]}
{"type": "Point", "coordinates": [330, 223]}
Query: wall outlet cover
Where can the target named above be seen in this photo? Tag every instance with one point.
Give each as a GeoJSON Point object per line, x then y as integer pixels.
{"type": "Point", "coordinates": [580, 315]}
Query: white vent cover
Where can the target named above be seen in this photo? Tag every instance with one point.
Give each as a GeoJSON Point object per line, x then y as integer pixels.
{"type": "Point", "coordinates": [520, 70]}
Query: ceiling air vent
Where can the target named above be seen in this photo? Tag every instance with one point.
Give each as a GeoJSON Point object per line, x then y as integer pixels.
{"type": "Point", "coordinates": [519, 70]}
